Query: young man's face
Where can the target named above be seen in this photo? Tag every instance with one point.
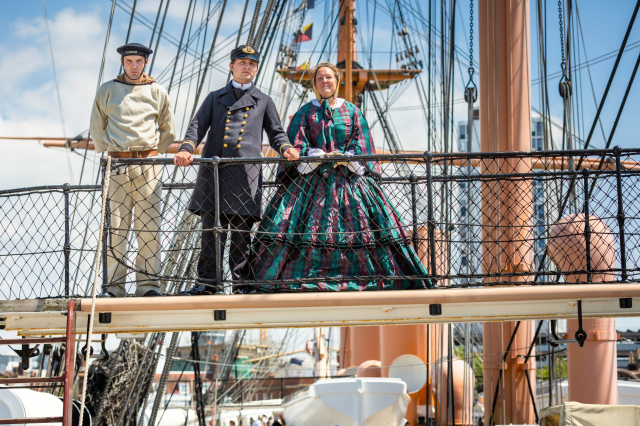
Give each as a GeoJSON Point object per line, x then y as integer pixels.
{"type": "Point", "coordinates": [244, 70]}
{"type": "Point", "coordinates": [133, 65]}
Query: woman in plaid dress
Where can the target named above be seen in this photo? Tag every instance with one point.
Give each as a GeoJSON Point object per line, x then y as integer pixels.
{"type": "Point", "coordinates": [330, 226]}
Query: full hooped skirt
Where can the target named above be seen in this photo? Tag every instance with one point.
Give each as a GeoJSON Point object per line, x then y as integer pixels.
{"type": "Point", "coordinates": [334, 231]}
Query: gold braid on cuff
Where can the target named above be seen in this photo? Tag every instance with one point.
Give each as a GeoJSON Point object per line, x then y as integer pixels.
{"type": "Point", "coordinates": [190, 143]}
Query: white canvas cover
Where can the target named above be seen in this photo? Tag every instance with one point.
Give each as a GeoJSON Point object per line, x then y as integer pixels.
{"type": "Point", "coordinates": [576, 414]}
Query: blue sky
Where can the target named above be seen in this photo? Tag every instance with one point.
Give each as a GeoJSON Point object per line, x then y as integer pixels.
{"type": "Point", "coordinates": [29, 107]}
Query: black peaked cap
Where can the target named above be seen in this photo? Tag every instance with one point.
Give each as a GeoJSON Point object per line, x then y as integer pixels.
{"type": "Point", "coordinates": [134, 49]}
{"type": "Point", "coordinates": [245, 52]}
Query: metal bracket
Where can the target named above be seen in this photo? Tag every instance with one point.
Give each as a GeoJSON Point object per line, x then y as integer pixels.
{"type": "Point", "coordinates": [104, 317]}
{"type": "Point", "coordinates": [104, 354]}
{"type": "Point", "coordinates": [580, 336]}
{"type": "Point", "coordinates": [435, 309]}
{"type": "Point", "coordinates": [25, 353]}
{"type": "Point", "coordinates": [626, 303]}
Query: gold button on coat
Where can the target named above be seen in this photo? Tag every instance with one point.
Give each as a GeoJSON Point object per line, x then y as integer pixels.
{"type": "Point", "coordinates": [244, 122]}
{"type": "Point", "coordinates": [247, 108]}
{"type": "Point", "coordinates": [226, 136]}
{"type": "Point", "coordinates": [228, 112]}
{"type": "Point", "coordinates": [225, 145]}
{"type": "Point", "coordinates": [241, 130]}
{"type": "Point", "coordinates": [245, 116]}
{"type": "Point", "coordinates": [240, 138]}
{"type": "Point", "coordinates": [228, 121]}
{"type": "Point", "coordinates": [226, 128]}
{"type": "Point", "coordinates": [239, 146]}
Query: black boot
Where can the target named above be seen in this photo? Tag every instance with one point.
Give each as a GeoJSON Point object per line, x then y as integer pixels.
{"type": "Point", "coordinates": [201, 290]}
{"type": "Point", "coordinates": [244, 289]}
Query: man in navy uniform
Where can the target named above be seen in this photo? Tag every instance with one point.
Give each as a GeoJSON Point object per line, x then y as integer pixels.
{"type": "Point", "coordinates": [235, 117]}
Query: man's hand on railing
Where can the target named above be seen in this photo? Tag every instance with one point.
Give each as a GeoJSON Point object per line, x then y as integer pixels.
{"type": "Point", "coordinates": [183, 159]}
{"type": "Point", "coordinates": [292, 154]}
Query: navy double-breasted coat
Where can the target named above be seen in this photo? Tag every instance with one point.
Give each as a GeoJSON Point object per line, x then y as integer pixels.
{"type": "Point", "coordinates": [235, 129]}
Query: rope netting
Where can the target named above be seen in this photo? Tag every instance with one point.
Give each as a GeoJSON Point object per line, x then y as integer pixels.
{"type": "Point", "coordinates": [330, 223]}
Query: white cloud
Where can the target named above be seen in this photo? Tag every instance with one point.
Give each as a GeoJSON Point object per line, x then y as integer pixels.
{"type": "Point", "coordinates": [177, 9]}
{"type": "Point", "coordinates": [29, 105]}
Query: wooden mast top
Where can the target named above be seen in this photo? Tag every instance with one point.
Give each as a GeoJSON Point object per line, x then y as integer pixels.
{"type": "Point", "coordinates": [354, 79]}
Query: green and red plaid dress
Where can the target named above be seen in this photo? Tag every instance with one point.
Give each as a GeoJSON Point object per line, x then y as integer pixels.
{"type": "Point", "coordinates": [331, 229]}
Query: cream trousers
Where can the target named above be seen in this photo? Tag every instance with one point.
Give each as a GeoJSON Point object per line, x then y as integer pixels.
{"type": "Point", "coordinates": [134, 191]}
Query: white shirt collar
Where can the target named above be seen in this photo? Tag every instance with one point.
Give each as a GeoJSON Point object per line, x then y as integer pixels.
{"type": "Point", "coordinates": [240, 86]}
{"type": "Point", "coordinates": [338, 103]}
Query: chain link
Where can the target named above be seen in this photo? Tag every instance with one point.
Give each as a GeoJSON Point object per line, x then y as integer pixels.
{"type": "Point", "coordinates": [471, 69]}
{"type": "Point", "coordinates": [564, 61]}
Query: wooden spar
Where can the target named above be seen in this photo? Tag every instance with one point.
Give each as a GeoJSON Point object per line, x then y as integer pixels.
{"type": "Point", "coordinates": [180, 313]}
{"type": "Point", "coordinates": [553, 163]}
{"type": "Point", "coordinates": [354, 79]}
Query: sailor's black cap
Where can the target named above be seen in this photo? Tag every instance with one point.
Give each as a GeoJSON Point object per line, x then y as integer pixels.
{"type": "Point", "coordinates": [134, 49]}
{"type": "Point", "coordinates": [244, 52]}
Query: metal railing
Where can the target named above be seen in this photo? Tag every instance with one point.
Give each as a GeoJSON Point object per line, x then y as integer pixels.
{"type": "Point", "coordinates": [493, 223]}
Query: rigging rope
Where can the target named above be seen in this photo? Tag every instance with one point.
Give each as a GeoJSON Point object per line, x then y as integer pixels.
{"type": "Point", "coordinates": [266, 20]}
{"type": "Point", "coordinates": [133, 13]}
{"type": "Point", "coordinates": [273, 29]}
{"type": "Point", "coordinates": [155, 25]}
{"type": "Point", "coordinates": [162, 383]}
{"type": "Point", "coordinates": [613, 73]}
{"type": "Point", "coordinates": [55, 79]}
{"type": "Point", "coordinates": [184, 58]}
{"type": "Point", "coordinates": [244, 15]}
{"type": "Point", "coordinates": [175, 64]}
{"type": "Point", "coordinates": [164, 17]}
{"type": "Point", "coordinates": [193, 65]}
{"type": "Point", "coordinates": [105, 195]}
{"type": "Point", "coordinates": [198, 397]}
{"type": "Point", "coordinates": [206, 68]}
{"type": "Point", "coordinates": [254, 21]}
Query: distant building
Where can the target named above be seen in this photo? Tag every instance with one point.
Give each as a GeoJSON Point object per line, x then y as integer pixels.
{"type": "Point", "coordinates": [469, 210]}
{"type": "Point", "coordinates": [8, 358]}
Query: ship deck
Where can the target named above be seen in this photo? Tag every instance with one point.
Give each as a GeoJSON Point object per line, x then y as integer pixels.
{"type": "Point", "coordinates": [180, 313]}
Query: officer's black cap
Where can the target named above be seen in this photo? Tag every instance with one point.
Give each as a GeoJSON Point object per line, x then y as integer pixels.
{"type": "Point", "coordinates": [244, 52]}
{"type": "Point", "coordinates": [134, 49]}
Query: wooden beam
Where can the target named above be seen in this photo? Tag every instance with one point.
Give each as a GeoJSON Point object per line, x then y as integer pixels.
{"type": "Point", "coordinates": [31, 420]}
{"type": "Point", "coordinates": [20, 380]}
{"type": "Point", "coordinates": [189, 313]}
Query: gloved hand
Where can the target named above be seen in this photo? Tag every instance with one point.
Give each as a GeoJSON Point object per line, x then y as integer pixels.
{"type": "Point", "coordinates": [305, 168]}
{"type": "Point", "coordinates": [353, 166]}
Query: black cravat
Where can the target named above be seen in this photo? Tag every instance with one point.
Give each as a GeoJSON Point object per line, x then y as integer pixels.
{"type": "Point", "coordinates": [239, 92]}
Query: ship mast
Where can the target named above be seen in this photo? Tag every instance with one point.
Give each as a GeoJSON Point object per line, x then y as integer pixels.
{"type": "Point", "coordinates": [347, 51]}
{"type": "Point", "coordinates": [354, 79]}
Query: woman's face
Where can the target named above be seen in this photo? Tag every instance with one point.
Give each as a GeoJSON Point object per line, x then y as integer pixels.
{"type": "Point", "coordinates": [326, 82]}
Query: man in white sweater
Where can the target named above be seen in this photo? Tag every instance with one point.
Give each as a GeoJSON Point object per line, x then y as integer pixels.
{"type": "Point", "coordinates": [132, 118]}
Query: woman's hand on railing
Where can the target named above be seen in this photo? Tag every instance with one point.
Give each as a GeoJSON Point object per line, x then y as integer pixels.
{"type": "Point", "coordinates": [183, 159]}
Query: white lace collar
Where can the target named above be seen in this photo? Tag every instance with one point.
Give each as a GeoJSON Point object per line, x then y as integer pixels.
{"type": "Point", "coordinates": [337, 104]}
{"type": "Point", "coordinates": [240, 86]}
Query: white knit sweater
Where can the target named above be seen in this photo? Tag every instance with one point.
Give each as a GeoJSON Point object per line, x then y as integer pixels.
{"type": "Point", "coordinates": [132, 117]}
